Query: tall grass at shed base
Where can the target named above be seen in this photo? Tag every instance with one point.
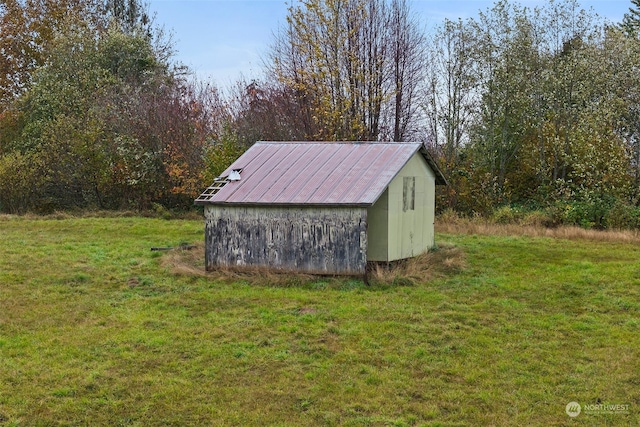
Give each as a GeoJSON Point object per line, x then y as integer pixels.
{"type": "Point", "coordinates": [439, 262]}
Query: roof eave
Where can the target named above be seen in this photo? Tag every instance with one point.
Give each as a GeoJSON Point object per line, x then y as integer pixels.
{"type": "Point", "coordinates": [289, 205]}
{"type": "Point", "coordinates": [440, 178]}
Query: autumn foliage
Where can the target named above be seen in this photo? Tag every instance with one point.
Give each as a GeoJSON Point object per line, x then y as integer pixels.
{"type": "Point", "coordinates": [92, 111]}
{"type": "Point", "coordinates": [529, 111]}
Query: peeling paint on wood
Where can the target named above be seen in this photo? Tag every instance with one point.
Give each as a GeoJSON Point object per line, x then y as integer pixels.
{"type": "Point", "coordinates": [331, 240]}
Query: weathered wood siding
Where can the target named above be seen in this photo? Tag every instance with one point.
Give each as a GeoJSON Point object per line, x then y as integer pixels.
{"type": "Point", "coordinates": [320, 240]}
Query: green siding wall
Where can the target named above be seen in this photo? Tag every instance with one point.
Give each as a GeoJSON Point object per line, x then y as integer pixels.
{"type": "Point", "coordinates": [409, 232]}
{"type": "Point", "coordinates": [378, 229]}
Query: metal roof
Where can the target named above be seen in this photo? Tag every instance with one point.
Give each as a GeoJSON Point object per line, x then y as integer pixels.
{"type": "Point", "coordinates": [313, 173]}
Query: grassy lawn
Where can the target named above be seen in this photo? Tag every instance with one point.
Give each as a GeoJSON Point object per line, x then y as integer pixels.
{"type": "Point", "coordinates": [95, 329]}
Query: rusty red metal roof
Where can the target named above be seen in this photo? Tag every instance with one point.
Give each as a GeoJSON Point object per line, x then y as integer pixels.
{"type": "Point", "coordinates": [313, 173]}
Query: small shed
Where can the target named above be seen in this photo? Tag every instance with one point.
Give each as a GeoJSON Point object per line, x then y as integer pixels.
{"type": "Point", "coordinates": [321, 207]}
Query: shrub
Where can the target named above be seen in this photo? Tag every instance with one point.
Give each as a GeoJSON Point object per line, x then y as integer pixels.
{"type": "Point", "coordinates": [505, 215]}
{"type": "Point", "coordinates": [588, 213]}
{"type": "Point", "coordinates": [20, 181]}
{"type": "Point", "coordinates": [449, 216]}
{"type": "Point", "coordinates": [539, 218]}
{"type": "Point", "coordinates": [622, 215]}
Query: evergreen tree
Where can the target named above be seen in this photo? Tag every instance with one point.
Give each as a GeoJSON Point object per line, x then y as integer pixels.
{"type": "Point", "coordinates": [631, 21]}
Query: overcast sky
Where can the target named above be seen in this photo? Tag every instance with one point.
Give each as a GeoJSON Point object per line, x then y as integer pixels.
{"type": "Point", "coordinates": [221, 39]}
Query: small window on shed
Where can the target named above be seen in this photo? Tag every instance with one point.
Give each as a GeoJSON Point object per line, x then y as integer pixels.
{"type": "Point", "coordinates": [409, 193]}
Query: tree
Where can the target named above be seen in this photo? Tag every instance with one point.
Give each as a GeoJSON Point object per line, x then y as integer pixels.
{"type": "Point", "coordinates": [408, 63]}
{"type": "Point", "coordinates": [27, 29]}
{"type": "Point", "coordinates": [504, 51]}
{"type": "Point", "coordinates": [451, 105]}
{"type": "Point", "coordinates": [65, 125]}
{"type": "Point", "coordinates": [107, 122]}
{"type": "Point", "coordinates": [622, 56]}
{"type": "Point", "coordinates": [352, 66]}
{"type": "Point", "coordinates": [263, 111]}
{"type": "Point", "coordinates": [453, 88]}
{"type": "Point", "coordinates": [533, 105]}
{"type": "Point", "coordinates": [630, 24]}
{"type": "Point", "coordinates": [132, 16]}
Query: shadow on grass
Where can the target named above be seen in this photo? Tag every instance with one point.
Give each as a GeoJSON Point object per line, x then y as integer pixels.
{"type": "Point", "coordinates": [443, 261]}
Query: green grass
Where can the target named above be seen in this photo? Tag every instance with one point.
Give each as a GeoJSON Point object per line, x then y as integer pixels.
{"type": "Point", "coordinates": [96, 330]}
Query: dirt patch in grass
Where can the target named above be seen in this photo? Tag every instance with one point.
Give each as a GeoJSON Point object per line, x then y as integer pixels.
{"type": "Point", "coordinates": [186, 262]}
{"type": "Point", "coordinates": [444, 260]}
